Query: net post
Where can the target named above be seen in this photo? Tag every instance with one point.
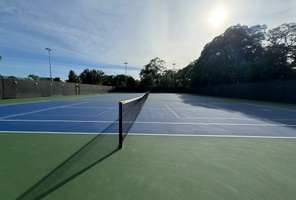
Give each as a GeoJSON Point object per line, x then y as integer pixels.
{"type": "Point", "coordinates": [120, 125]}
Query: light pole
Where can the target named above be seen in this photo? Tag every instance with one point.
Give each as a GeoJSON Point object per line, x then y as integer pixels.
{"type": "Point", "coordinates": [48, 49]}
{"type": "Point", "coordinates": [125, 74]}
{"type": "Point", "coordinates": [174, 64]}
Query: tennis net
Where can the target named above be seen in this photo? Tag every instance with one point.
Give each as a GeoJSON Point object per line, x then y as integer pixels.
{"type": "Point", "coordinates": [128, 112]}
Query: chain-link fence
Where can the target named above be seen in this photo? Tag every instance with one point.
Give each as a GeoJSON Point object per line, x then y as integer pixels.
{"type": "Point", "coordinates": [12, 87]}
{"type": "Point", "coordinates": [279, 91]}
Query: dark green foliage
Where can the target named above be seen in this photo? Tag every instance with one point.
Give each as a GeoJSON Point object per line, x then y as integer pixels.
{"type": "Point", "coordinates": [166, 80]}
{"type": "Point", "coordinates": [57, 79]}
{"type": "Point", "coordinates": [131, 82]}
{"type": "Point", "coordinates": [147, 81]}
{"type": "Point", "coordinates": [98, 77]}
{"type": "Point", "coordinates": [241, 54]}
{"type": "Point", "coordinates": [246, 54]}
{"type": "Point", "coordinates": [94, 77]}
{"type": "Point", "coordinates": [184, 76]}
{"type": "Point", "coordinates": [226, 59]}
{"type": "Point", "coordinates": [72, 77]}
{"type": "Point", "coordinates": [151, 73]}
{"type": "Point", "coordinates": [119, 81]}
{"type": "Point", "coordinates": [35, 77]}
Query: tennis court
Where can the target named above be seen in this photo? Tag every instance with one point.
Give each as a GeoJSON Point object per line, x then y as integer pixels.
{"type": "Point", "coordinates": [86, 115]}
{"type": "Point", "coordinates": [185, 114]}
{"type": "Point", "coordinates": [68, 149]}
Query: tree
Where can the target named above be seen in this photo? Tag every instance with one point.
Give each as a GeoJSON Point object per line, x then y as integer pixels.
{"type": "Point", "coordinates": [147, 81]}
{"type": "Point", "coordinates": [0, 58]}
{"type": "Point", "coordinates": [224, 60]}
{"type": "Point", "coordinates": [284, 34]}
{"type": "Point", "coordinates": [131, 82]}
{"type": "Point", "coordinates": [280, 56]}
{"type": "Point", "coordinates": [152, 72]}
{"type": "Point", "coordinates": [33, 77]}
{"type": "Point", "coordinates": [166, 80]}
{"type": "Point", "coordinates": [91, 76]}
{"type": "Point", "coordinates": [108, 80]}
{"type": "Point", "coordinates": [57, 79]}
{"type": "Point", "coordinates": [119, 80]}
{"type": "Point", "coordinates": [183, 76]}
{"type": "Point", "coordinates": [72, 77]}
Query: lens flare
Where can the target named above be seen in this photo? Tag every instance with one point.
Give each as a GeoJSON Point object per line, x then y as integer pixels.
{"type": "Point", "coordinates": [218, 16]}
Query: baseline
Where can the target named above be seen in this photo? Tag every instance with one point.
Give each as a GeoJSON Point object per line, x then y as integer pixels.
{"type": "Point", "coordinates": [218, 136]}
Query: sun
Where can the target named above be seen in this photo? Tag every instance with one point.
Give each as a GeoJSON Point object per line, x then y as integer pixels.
{"type": "Point", "coordinates": [218, 16]}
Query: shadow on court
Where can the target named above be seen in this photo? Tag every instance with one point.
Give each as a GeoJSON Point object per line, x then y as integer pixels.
{"type": "Point", "coordinates": [95, 151]}
{"type": "Point", "coordinates": [262, 112]}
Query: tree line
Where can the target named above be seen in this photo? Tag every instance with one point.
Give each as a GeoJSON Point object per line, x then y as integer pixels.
{"type": "Point", "coordinates": [241, 54]}
{"type": "Point", "coordinates": [153, 74]}
{"type": "Point", "coordinates": [98, 77]}
{"type": "Point", "coordinates": [245, 54]}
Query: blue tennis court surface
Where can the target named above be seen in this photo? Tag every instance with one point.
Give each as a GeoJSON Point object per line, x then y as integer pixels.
{"type": "Point", "coordinates": [87, 115]}
{"type": "Point", "coordinates": [182, 114]}
{"type": "Point", "coordinates": [196, 115]}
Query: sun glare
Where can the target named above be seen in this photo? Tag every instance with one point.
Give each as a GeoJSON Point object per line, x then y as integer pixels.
{"type": "Point", "coordinates": [218, 16]}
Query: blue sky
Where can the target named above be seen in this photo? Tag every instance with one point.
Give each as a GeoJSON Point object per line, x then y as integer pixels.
{"type": "Point", "coordinates": [103, 34]}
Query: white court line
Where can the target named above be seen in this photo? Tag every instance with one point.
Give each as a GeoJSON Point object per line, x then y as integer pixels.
{"type": "Point", "coordinates": [105, 111]}
{"type": "Point", "coordinates": [210, 124]}
{"type": "Point", "coordinates": [58, 133]}
{"type": "Point", "coordinates": [89, 107]}
{"type": "Point", "coordinates": [243, 119]}
{"type": "Point", "coordinates": [218, 136]}
{"type": "Point", "coordinates": [221, 118]}
{"type": "Point", "coordinates": [172, 111]}
{"type": "Point", "coordinates": [191, 109]}
{"type": "Point", "coordinates": [54, 121]}
{"type": "Point", "coordinates": [162, 123]}
{"type": "Point", "coordinates": [148, 134]}
{"type": "Point", "coordinates": [26, 113]}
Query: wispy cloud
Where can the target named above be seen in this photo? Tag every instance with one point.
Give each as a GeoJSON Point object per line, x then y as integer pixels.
{"type": "Point", "coordinates": [107, 33]}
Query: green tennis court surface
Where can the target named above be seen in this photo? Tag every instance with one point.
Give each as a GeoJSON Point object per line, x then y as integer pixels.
{"type": "Point", "coordinates": [150, 167]}
{"type": "Point", "coordinates": [156, 165]}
